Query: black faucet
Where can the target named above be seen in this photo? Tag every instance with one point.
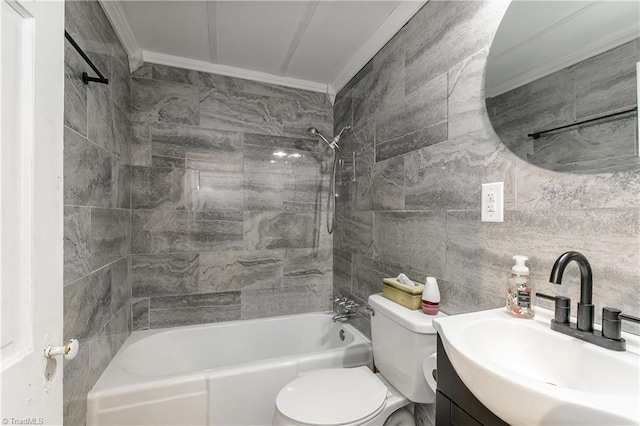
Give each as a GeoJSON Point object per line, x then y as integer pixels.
{"type": "Point", "coordinates": [585, 306]}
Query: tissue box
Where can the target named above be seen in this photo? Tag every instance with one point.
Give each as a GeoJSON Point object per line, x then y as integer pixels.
{"type": "Point", "coordinates": [409, 297]}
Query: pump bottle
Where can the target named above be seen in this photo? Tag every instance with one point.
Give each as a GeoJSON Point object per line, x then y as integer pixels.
{"type": "Point", "coordinates": [520, 290]}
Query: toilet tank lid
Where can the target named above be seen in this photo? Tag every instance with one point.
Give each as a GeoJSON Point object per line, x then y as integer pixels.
{"type": "Point", "coordinates": [413, 320]}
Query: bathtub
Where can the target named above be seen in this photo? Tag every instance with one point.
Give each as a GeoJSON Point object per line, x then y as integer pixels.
{"type": "Point", "coordinates": [218, 374]}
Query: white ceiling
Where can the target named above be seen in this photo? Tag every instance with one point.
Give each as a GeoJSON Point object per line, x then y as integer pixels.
{"type": "Point", "coordinates": [537, 38]}
{"type": "Point", "coordinates": [315, 45]}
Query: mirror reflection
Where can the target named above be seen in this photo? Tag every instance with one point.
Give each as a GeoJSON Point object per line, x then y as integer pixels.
{"type": "Point", "coordinates": [561, 86]}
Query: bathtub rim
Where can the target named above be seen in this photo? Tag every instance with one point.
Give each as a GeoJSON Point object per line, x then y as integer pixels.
{"type": "Point", "coordinates": [115, 379]}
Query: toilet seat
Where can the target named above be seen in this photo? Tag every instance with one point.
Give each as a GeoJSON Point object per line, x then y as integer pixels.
{"type": "Point", "coordinates": [341, 396]}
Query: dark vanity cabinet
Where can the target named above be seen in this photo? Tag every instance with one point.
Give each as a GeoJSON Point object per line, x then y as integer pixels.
{"type": "Point", "coordinates": [455, 404]}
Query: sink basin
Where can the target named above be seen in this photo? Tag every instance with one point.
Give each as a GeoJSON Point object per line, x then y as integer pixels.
{"type": "Point", "coordinates": [528, 374]}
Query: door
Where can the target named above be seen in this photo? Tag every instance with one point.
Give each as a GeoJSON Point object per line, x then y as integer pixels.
{"type": "Point", "coordinates": [31, 149]}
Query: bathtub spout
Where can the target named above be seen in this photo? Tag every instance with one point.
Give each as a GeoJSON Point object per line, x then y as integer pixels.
{"type": "Point", "coordinates": [342, 317]}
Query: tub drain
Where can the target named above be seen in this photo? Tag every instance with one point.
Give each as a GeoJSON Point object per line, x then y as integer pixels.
{"type": "Point", "coordinates": [341, 334]}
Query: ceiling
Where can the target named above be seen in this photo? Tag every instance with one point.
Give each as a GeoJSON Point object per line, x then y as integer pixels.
{"type": "Point", "coordinates": [537, 38]}
{"type": "Point", "coordinates": [314, 45]}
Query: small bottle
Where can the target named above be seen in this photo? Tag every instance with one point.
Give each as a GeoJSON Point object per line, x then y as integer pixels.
{"type": "Point", "coordinates": [431, 297]}
{"type": "Point", "coordinates": [519, 290]}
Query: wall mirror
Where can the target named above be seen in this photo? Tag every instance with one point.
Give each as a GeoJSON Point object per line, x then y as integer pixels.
{"type": "Point", "coordinates": [556, 64]}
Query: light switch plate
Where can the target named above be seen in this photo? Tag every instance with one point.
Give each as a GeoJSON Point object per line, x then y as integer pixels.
{"type": "Point", "coordinates": [492, 204]}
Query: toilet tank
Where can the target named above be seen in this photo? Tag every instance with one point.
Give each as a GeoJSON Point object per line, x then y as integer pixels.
{"type": "Point", "coordinates": [402, 339]}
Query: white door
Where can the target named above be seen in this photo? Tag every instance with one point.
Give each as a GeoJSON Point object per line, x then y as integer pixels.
{"type": "Point", "coordinates": [31, 149]}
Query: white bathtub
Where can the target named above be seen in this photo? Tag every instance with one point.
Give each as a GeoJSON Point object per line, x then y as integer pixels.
{"type": "Point", "coordinates": [218, 374]}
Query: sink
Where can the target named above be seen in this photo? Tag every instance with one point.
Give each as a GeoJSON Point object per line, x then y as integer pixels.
{"type": "Point", "coordinates": [527, 373]}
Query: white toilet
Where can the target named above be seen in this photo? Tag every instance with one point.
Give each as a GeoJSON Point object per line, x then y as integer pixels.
{"type": "Point", "coordinates": [402, 340]}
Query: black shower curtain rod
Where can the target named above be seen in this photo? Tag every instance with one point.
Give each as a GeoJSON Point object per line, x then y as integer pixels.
{"type": "Point", "coordinates": [85, 77]}
{"type": "Point", "coordinates": [537, 135]}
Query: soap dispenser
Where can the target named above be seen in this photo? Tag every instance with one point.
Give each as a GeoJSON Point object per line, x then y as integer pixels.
{"type": "Point", "coordinates": [519, 290]}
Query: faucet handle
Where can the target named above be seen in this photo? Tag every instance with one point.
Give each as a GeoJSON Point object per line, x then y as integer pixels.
{"type": "Point", "coordinates": [612, 324]}
{"type": "Point", "coordinates": [562, 307]}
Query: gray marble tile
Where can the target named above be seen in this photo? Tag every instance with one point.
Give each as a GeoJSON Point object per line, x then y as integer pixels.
{"type": "Point", "coordinates": [121, 83]}
{"type": "Point", "coordinates": [110, 235]}
{"type": "Point", "coordinates": [194, 78]}
{"type": "Point", "coordinates": [308, 267]}
{"type": "Point", "coordinates": [77, 243]}
{"type": "Point", "coordinates": [157, 188]}
{"type": "Point", "coordinates": [164, 102]}
{"type": "Point", "coordinates": [120, 284]}
{"type": "Point", "coordinates": [168, 162]}
{"type": "Point", "coordinates": [341, 274]}
{"type": "Point", "coordinates": [88, 169]}
{"type": "Point", "coordinates": [342, 115]}
{"type": "Point", "coordinates": [82, 22]}
{"type": "Point", "coordinates": [174, 231]}
{"type": "Point", "coordinates": [419, 120]}
{"type": "Point", "coordinates": [387, 184]}
{"type": "Point", "coordinates": [140, 314]}
{"type": "Point", "coordinates": [75, 387]}
{"type": "Point", "coordinates": [172, 311]}
{"type": "Point", "coordinates": [144, 71]}
{"type": "Point", "coordinates": [466, 105]}
{"type": "Point", "coordinates": [118, 329]}
{"type": "Point", "coordinates": [211, 190]}
{"type": "Point", "coordinates": [87, 305]}
{"type": "Point", "coordinates": [288, 143]}
{"type": "Point", "coordinates": [544, 189]}
{"type": "Point", "coordinates": [75, 91]}
{"type": "Point", "coordinates": [415, 240]}
{"type": "Point", "coordinates": [121, 188]}
{"type": "Point", "coordinates": [384, 85]}
{"type": "Point", "coordinates": [99, 355]}
{"type": "Point", "coordinates": [275, 230]}
{"type": "Point", "coordinates": [262, 191]}
{"type": "Point", "coordinates": [443, 33]}
{"type": "Point", "coordinates": [606, 82]}
{"type": "Point", "coordinates": [279, 301]}
{"type": "Point", "coordinates": [240, 112]}
{"type": "Point", "coordinates": [362, 324]}
{"type": "Point", "coordinates": [222, 216]}
{"type": "Point", "coordinates": [163, 318]}
{"type": "Point", "coordinates": [368, 275]}
{"type": "Point", "coordinates": [200, 148]}
{"type": "Point", "coordinates": [358, 146]}
{"type": "Point", "coordinates": [164, 274]}
{"type": "Point", "coordinates": [448, 176]}
{"type": "Point", "coordinates": [140, 149]}
{"type": "Point", "coordinates": [300, 114]}
{"type": "Point", "coordinates": [268, 160]}
{"type": "Point", "coordinates": [481, 260]}
{"type": "Point", "coordinates": [354, 232]}
{"type": "Point", "coordinates": [100, 116]}
{"type": "Point", "coordinates": [240, 270]}
{"type": "Point", "coordinates": [308, 191]}
{"type": "Point", "coordinates": [121, 135]}
{"type": "Point", "coordinates": [347, 89]}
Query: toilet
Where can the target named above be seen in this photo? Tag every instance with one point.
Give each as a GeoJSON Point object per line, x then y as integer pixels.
{"type": "Point", "coordinates": [402, 341]}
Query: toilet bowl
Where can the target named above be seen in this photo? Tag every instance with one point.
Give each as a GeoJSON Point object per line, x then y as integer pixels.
{"type": "Point", "coordinates": [402, 340]}
{"type": "Point", "coordinates": [349, 396]}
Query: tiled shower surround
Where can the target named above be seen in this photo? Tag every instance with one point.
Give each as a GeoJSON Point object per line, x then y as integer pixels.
{"type": "Point", "coordinates": [97, 219]}
{"type": "Point", "coordinates": [228, 197]}
{"type": "Point", "coordinates": [424, 145]}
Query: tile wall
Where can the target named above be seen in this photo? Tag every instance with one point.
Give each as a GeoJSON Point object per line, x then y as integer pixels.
{"type": "Point", "coordinates": [97, 218]}
{"type": "Point", "coordinates": [228, 197]}
{"type": "Point", "coordinates": [424, 145]}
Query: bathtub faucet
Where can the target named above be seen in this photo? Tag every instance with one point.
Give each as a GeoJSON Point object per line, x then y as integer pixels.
{"type": "Point", "coordinates": [346, 309]}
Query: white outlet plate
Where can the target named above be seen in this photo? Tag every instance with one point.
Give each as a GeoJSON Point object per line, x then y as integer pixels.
{"type": "Point", "coordinates": [492, 204]}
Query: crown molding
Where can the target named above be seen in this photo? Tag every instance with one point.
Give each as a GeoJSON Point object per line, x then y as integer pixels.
{"type": "Point", "coordinates": [561, 63]}
{"type": "Point", "coordinates": [394, 22]}
{"type": "Point", "coordinates": [120, 23]}
{"type": "Point", "coordinates": [262, 77]}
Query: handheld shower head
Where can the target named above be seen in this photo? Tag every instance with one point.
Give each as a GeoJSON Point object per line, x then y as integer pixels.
{"type": "Point", "coordinates": [315, 133]}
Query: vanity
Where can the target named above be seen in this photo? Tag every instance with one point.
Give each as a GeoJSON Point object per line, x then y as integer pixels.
{"type": "Point", "coordinates": [495, 369]}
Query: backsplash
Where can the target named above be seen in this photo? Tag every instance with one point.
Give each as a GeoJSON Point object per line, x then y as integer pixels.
{"type": "Point", "coordinates": [97, 219]}
{"type": "Point", "coordinates": [228, 199]}
{"type": "Point", "coordinates": [424, 146]}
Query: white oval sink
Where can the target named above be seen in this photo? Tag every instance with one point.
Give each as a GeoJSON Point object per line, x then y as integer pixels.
{"type": "Point", "coordinates": [527, 373]}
